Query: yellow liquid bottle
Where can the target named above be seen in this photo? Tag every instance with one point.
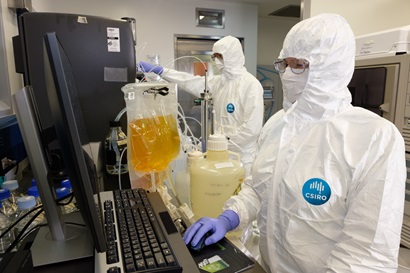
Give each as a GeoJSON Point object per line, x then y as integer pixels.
{"type": "Point", "coordinates": [214, 177]}
{"type": "Point", "coordinates": [154, 143]}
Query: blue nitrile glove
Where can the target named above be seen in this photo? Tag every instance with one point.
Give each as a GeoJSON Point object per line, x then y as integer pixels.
{"type": "Point", "coordinates": [215, 227]}
{"type": "Point", "coordinates": [147, 67]}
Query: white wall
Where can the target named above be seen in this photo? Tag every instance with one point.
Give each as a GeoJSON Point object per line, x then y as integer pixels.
{"type": "Point", "coordinates": [10, 81]}
{"type": "Point", "coordinates": [271, 33]}
{"type": "Point", "coordinates": [158, 20]}
{"type": "Point", "coordinates": [366, 16]}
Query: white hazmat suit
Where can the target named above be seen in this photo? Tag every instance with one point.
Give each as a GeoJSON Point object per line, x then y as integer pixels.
{"type": "Point", "coordinates": [328, 182]}
{"type": "Point", "coordinates": [236, 94]}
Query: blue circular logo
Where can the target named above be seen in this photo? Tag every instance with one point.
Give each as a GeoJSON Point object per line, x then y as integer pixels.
{"type": "Point", "coordinates": [230, 108]}
{"type": "Point", "coordinates": [316, 191]}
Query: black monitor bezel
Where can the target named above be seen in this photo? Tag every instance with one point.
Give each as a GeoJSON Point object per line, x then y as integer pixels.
{"type": "Point", "coordinates": [72, 137]}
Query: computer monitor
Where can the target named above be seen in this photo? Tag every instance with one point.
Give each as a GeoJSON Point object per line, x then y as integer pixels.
{"type": "Point", "coordinates": [102, 55]}
{"type": "Point", "coordinates": [61, 241]}
{"type": "Point", "coordinates": [72, 135]}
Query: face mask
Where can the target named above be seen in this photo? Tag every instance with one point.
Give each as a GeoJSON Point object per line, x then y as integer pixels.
{"type": "Point", "coordinates": [219, 64]}
{"type": "Point", "coordinates": [292, 85]}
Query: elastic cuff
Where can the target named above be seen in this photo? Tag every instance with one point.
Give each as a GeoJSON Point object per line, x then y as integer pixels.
{"type": "Point", "coordinates": [232, 218]}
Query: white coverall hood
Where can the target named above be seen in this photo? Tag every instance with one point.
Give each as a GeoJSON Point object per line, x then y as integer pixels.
{"type": "Point", "coordinates": [327, 185]}
{"type": "Point", "coordinates": [233, 57]}
{"type": "Point", "coordinates": [331, 64]}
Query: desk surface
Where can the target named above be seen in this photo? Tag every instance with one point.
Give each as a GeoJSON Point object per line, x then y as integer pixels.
{"type": "Point", "coordinates": [87, 264]}
{"type": "Point", "coordinates": [77, 266]}
{"type": "Point", "coordinates": [257, 268]}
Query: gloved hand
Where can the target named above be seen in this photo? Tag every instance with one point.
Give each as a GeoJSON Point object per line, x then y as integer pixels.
{"type": "Point", "coordinates": [217, 228]}
{"type": "Point", "coordinates": [147, 67]}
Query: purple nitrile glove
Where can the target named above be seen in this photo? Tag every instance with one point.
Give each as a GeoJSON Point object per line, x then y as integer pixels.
{"type": "Point", "coordinates": [217, 228]}
{"type": "Point", "coordinates": [147, 67]}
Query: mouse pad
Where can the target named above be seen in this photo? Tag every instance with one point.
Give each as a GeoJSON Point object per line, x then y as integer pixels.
{"type": "Point", "coordinates": [222, 257]}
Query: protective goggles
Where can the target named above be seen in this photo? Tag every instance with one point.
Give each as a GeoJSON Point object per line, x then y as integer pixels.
{"type": "Point", "coordinates": [297, 66]}
{"type": "Point", "coordinates": [216, 55]}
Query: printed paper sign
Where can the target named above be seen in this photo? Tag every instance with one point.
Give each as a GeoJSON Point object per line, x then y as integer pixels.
{"type": "Point", "coordinates": [213, 264]}
{"type": "Point", "coordinates": [113, 39]}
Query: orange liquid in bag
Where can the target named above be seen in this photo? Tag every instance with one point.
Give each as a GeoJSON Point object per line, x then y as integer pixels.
{"type": "Point", "coordinates": [154, 143]}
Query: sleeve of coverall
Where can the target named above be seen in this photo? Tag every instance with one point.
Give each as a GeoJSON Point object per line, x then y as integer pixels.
{"type": "Point", "coordinates": [370, 237]}
{"type": "Point", "coordinates": [246, 204]}
{"type": "Point", "coordinates": [195, 85]}
{"type": "Point", "coordinates": [252, 116]}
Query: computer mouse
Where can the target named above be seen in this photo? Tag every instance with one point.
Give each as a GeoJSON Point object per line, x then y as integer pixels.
{"type": "Point", "coordinates": [201, 244]}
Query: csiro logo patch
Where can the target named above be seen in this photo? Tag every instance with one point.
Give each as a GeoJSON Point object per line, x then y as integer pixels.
{"type": "Point", "coordinates": [316, 191]}
{"type": "Point", "coordinates": [230, 108]}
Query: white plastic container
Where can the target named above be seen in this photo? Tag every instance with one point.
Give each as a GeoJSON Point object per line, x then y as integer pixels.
{"type": "Point", "coordinates": [13, 187]}
{"type": "Point", "coordinates": [182, 179]}
{"type": "Point", "coordinates": [383, 43]}
{"type": "Point", "coordinates": [25, 204]}
{"type": "Point", "coordinates": [404, 260]}
{"type": "Point", "coordinates": [33, 191]}
{"type": "Point", "coordinates": [214, 176]}
{"type": "Point", "coordinates": [8, 237]}
{"type": "Point", "coordinates": [7, 208]}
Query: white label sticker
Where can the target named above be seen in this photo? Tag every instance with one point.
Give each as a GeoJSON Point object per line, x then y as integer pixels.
{"type": "Point", "coordinates": [213, 264]}
{"type": "Point", "coordinates": [113, 39]}
{"type": "Point", "coordinates": [131, 96]}
{"type": "Point", "coordinates": [82, 20]}
{"type": "Point", "coordinates": [222, 165]}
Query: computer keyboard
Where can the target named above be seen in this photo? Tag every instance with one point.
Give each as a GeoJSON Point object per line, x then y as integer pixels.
{"type": "Point", "coordinates": [134, 235]}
